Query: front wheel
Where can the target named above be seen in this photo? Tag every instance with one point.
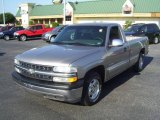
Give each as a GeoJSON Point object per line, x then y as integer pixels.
{"type": "Point", "coordinates": [23, 38]}
{"type": "Point", "coordinates": [6, 37]}
{"type": "Point", "coordinates": [140, 63]}
{"type": "Point", "coordinates": [156, 40]}
{"type": "Point", "coordinates": [52, 39]}
{"type": "Point", "coordinates": [91, 89]}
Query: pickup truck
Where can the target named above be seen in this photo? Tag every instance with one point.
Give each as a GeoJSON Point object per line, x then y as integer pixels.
{"type": "Point", "coordinates": [82, 57]}
{"type": "Point", "coordinates": [8, 34]}
{"type": "Point", "coordinates": [151, 30]}
{"type": "Point", "coordinates": [31, 31]}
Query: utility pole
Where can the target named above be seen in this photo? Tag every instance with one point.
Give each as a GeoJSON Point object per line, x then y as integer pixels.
{"type": "Point", "coordinates": [64, 12]}
{"type": "Point", "coordinates": [4, 21]}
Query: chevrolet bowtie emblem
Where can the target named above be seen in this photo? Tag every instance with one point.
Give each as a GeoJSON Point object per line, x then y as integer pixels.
{"type": "Point", "coordinates": [31, 71]}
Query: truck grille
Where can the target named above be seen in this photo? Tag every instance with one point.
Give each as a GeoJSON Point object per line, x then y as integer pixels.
{"type": "Point", "coordinates": [28, 70]}
{"type": "Point", "coordinates": [36, 75]}
{"type": "Point", "coordinates": [36, 67]}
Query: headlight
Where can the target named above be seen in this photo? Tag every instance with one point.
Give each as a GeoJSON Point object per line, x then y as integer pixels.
{"type": "Point", "coordinates": [64, 69]}
{"type": "Point", "coordinates": [16, 33]}
{"type": "Point", "coordinates": [17, 70]}
{"type": "Point", "coordinates": [16, 61]}
{"type": "Point", "coordinates": [1, 33]}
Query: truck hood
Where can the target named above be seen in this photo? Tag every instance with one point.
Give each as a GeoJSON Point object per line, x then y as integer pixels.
{"type": "Point", "coordinates": [57, 54]}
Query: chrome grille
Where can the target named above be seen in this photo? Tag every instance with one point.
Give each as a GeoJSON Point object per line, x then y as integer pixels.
{"type": "Point", "coordinates": [35, 71]}
{"type": "Point", "coordinates": [36, 75]}
{"type": "Point", "coordinates": [36, 67]}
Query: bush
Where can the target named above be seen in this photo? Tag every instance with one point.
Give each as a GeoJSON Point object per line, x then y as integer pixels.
{"type": "Point", "coordinates": [54, 24]}
{"type": "Point", "coordinates": [31, 22]}
{"type": "Point", "coordinates": [18, 23]}
{"type": "Point", "coordinates": [47, 26]}
{"type": "Point", "coordinates": [127, 24]}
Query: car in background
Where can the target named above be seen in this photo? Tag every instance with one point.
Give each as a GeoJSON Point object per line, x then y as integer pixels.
{"type": "Point", "coordinates": [8, 34]}
{"type": "Point", "coordinates": [52, 34]}
{"type": "Point", "coordinates": [4, 28]}
{"type": "Point", "coordinates": [33, 31]}
{"type": "Point", "coordinates": [151, 30]}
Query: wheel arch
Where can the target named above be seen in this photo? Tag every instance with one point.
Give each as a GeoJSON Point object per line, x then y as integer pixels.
{"type": "Point", "coordinates": [142, 51]}
{"type": "Point", "coordinates": [100, 70]}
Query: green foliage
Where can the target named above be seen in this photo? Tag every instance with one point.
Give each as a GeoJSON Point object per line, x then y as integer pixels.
{"type": "Point", "coordinates": [9, 18]}
{"type": "Point", "coordinates": [18, 23]}
{"type": "Point", "coordinates": [127, 24]}
{"type": "Point", "coordinates": [47, 26]}
{"type": "Point", "coordinates": [54, 24]}
{"type": "Point", "coordinates": [31, 22]}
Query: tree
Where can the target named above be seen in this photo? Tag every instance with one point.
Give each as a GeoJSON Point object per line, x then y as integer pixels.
{"type": "Point", "coordinates": [9, 18]}
{"type": "Point", "coordinates": [127, 24]}
{"type": "Point", "coordinates": [54, 24]}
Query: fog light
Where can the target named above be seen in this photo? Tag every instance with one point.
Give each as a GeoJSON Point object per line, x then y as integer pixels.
{"type": "Point", "coordinates": [61, 79]}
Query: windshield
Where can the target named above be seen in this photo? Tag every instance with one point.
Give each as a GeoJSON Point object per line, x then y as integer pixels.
{"type": "Point", "coordinates": [12, 29]}
{"type": "Point", "coordinates": [82, 35]}
{"type": "Point", "coordinates": [28, 28]}
{"type": "Point", "coordinates": [57, 29]}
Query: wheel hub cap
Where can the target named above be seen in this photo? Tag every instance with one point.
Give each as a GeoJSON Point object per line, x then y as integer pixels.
{"type": "Point", "coordinates": [94, 89]}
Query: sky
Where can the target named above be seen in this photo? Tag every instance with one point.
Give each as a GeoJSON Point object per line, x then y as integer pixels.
{"type": "Point", "coordinates": [12, 5]}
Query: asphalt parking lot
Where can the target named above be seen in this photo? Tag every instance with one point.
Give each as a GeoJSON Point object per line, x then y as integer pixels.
{"type": "Point", "coordinates": [129, 96]}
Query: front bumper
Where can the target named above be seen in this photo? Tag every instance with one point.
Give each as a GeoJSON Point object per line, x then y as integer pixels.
{"type": "Point", "coordinates": [46, 38]}
{"type": "Point", "coordinates": [16, 36]}
{"type": "Point", "coordinates": [66, 93]}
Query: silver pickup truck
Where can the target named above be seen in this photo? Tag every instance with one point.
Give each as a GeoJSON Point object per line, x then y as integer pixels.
{"type": "Point", "coordinates": [77, 63]}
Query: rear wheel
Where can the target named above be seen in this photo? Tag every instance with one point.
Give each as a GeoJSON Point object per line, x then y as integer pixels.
{"type": "Point", "coordinates": [6, 37]}
{"type": "Point", "coordinates": [92, 89]}
{"type": "Point", "coordinates": [23, 38]}
{"type": "Point", "coordinates": [156, 40]}
{"type": "Point", "coordinates": [140, 63]}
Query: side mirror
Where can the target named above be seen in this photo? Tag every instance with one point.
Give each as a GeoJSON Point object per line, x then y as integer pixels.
{"type": "Point", "coordinates": [116, 43]}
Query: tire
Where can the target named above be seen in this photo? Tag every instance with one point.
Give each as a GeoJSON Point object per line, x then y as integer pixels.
{"type": "Point", "coordinates": [23, 38]}
{"type": "Point", "coordinates": [91, 89]}
{"type": "Point", "coordinates": [52, 37]}
{"type": "Point", "coordinates": [140, 63]}
{"type": "Point", "coordinates": [6, 37]}
{"type": "Point", "coordinates": [156, 40]}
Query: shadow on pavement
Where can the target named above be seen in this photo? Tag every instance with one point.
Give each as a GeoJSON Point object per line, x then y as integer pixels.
{"type": "Point", "coordinates": [2, 53]}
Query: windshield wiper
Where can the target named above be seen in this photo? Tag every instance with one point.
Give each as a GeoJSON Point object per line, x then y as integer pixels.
{"type": "Point", "coordinates": [78, 43]}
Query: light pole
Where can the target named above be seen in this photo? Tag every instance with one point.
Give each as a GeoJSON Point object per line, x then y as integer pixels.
{"type": "Point", "coordinates": [4, 21]}
{"type": "Point", "coordinates": [64, 12]}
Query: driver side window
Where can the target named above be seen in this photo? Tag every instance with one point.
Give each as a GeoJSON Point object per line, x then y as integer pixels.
{"type": "Point", "coordinates": [114, 34]}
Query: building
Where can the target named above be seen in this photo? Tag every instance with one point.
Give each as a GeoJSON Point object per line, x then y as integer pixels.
{"type": "Point", "coordinates": [119, 11]}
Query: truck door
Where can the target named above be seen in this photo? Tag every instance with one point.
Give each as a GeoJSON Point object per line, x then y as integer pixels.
{"type": "Point", "coordinates": [31, 31]}
{"type": "Point", "coordinates": [39, 30]}
{"type": "Point", "coordinates": [117, 58]}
